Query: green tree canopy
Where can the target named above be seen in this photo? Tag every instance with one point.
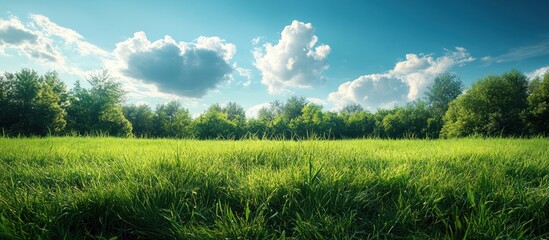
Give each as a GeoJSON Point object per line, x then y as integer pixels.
{"type": "Point", "coordinates": [142, 119]}
{"type": "Point", "coordinates": [538, 105]}
{"type": "Point", "coordinates": [31, 104]}
{"type": "Point", "coordinates": [98, 109]}
{"type": "Point", "coordinates": [172, 120]}
{"type": "Point", "coordinates": [494, 105]}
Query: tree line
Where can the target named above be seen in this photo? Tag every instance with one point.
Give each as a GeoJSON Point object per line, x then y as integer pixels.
{"type": "Point", "coordinates": [507, 105]}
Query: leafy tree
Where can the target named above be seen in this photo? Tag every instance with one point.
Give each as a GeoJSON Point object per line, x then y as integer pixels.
{"type": "Point", "coordinates": [292, 108]}
{"type": "Point", "coordinates": [309, 123]}
{"type": "Point", "coordinates": [171, 120]}
{"type": "Point", "coordinates": [332, 126]}
{"type": "Point", "coordinates": [214, 124]}
{"type": "Point", "coordinates": [357, 124]}
{"type": "Point", "coordinates": [98, 109]}
{"type": "Point", "coordinates": [234, 111]}
{"type": "Point", "coordinates": [237, 115]}
{"type": "Point", "coordinates": [445, 88]}
{"type": "Point", "coordinates": [142, 119]}
{"type": "Point", "coordinates": [494, 105]}
{"type": "Point", "coordinates": [352, 109]}
{"type": "Point", "coordinates": [379, 130]}
{"type": "Point", "coordinates": [538, 105]}
{"type": "Point", "coordinates": [30, 104]}
{"type": "Point", "coordinates": [257, 128]}
{"type": "Point", "coordinates": [408, 122]}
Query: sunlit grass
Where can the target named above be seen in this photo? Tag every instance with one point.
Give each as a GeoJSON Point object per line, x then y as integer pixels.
{"type": "Point", "coordinates": [54, 188]}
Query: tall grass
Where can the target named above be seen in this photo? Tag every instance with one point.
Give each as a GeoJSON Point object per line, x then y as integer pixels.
{"type": "Point", "coordinates": [108, 188]}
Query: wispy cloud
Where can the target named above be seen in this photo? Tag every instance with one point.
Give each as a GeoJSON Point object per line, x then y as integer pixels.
{"type": "Point", "coordinates": [521, 53]}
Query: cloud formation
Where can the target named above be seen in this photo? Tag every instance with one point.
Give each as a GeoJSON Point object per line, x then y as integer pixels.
{"type": "Point", "coordinates": [69, 36]}
{"type": "Point", "coordinates": [521, 53]}
{"type": "Point", "coordinates": [295, 61]}
{"type": "Point", "coordinates": [405, 82]}
{"type": "Point", "coordinates": [538, 73]}
{"type": "Point", "coordinates": [253, 112]}
{"type": "Point", "coordinates": [181, 68]}
{"type": "Point", "coordinates": [31, 42]}
{"type": "Point", "coordinates": [371, 91]}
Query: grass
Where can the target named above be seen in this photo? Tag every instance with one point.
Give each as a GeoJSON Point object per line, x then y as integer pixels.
{"type": "Point", "coordinates": [108, 188]}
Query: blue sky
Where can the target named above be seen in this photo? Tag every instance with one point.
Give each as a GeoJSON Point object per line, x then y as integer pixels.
{"type": "Point", "coordinates": [374, 53]}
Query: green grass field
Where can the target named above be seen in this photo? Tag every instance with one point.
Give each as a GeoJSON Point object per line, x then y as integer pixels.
{"type": "Point", "coordinates": [108, 188]}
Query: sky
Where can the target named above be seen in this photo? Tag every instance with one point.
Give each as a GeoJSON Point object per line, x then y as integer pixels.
{"type": "Point", "coordinates": [375, 53]}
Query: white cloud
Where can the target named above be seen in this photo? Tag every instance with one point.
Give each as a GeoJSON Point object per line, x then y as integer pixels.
{"type": "Point", "coordinates": [317, 101]}
{"type": "Point", "coordinates": [29, 41]}
{"type": "Point", "coordinates": [71, 37]}
{"type": "Point", "coordinates": [295, 61]}
{"type": "Point", "coordinates": [521, 53]}
{"type": "Point", "coordinates": [186, 69]}
{"type": "Point", "coordinates": [405, 82]}
{"type": "Point", "coordinates": [418, 71]}
{"type": "Point", "coordinates": [244, 72]}
{"type": "Point", "coordinates": [133, 62]}
{"type": "Point", "coordinates": [253, 111]}
{"type": "Point", "coordinates": [371, 91]}
{"type": "Point", "coordinates": [538, 73]}
{"type": "Point", "coordinates": [256, 40]}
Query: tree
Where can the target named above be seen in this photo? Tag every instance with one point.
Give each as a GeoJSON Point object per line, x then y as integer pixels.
{"type": "Point", "coordinates": [495, 105]}
{"type": "Point", "coordinates": [358, 124]}
{"type": "Point", "coordinates": [538, 105]}
{"type": "Point", "coordinates": [171, 120]}
{"type": "Point", "coordinates": [257, 128]}
{"type": "Point", "coordinates": [292, 108]}
{"type": "Point", "coordinates": [30, 104]}
{"type": "Point", "coordinates": [214, 124]}
{"type": "Point", "coordinates": [445, 88]}
{"type": "Point", "coordinates": [308, 124]}
{"type": "Point", "coordinates": [408, 122]}
{"type": "Point", "coordinates": [352, 109]}
{"type": "Point", "coordinates": [98, 109]}
{"type": "Point", "coordinates": [142, 118]}
{"type": "Point", "coordinates": [237, 115]}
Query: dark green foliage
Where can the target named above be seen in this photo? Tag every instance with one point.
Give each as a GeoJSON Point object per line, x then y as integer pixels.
{"type": "Point", "coordinates": [495, 105]}
{"type": "Point", "coordinates": [538, 106]}
{"type": "Point", "coordinates": [445, 88]}
{"type": "Point", "coordinates": [98, 110]}
{"type": "Point", "coordinates": [503, 105]}
{"type": "Point", "coordinates": [31, 104]}
{"type": "Point", "coordinates": [171, 120]}
{"type": "Point", "coordinates": [214, 124]}
{"type": "Point", "coordinates": [408, 122]}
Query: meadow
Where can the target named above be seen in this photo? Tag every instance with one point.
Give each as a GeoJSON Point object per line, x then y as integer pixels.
{"type": "Point", "coordinates": [112, 188]}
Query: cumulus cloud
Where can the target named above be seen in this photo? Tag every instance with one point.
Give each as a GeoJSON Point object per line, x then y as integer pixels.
{"type": "Point", "coordinates": [31, 42]}
{"type": "Point", "coordinates": [405, 82]}
{"type": "Point", "coordinates": [14, 33]}
{"type": "Point", "coordinates": [371, 91]}
{"type": "Point", "coordinates": [187, 69]}
{"type": "Point", "coordinates": [296, 61]}
{"type": "Point", "coordinates": [538, 73]}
